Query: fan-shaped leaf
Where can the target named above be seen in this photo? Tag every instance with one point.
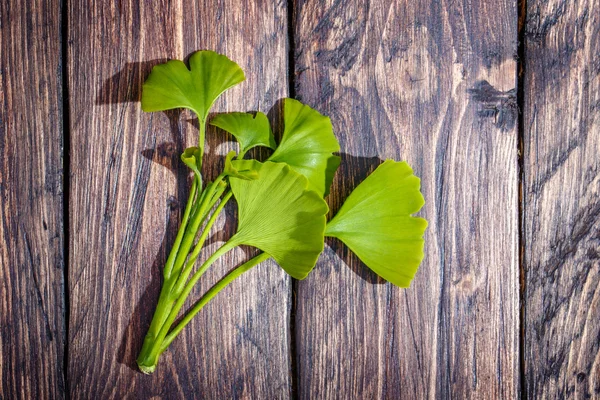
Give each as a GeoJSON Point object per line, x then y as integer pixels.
{"type": "Point", "coordinates": [192, 157]}
{"type": "Point", "coordinates": [375, 222]}
{"type": "Point", "coordinates": [250, 131]}
{"type": "Point", "coordinates": [280, 216]}
{"type": "Point", "coordinates": [239, 170]}
{"type": "Point", "coordinates": [172, 85]}
{"type": "Point", "coordinates": [307, 145]}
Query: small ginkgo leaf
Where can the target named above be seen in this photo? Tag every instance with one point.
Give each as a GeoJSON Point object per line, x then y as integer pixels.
{"type": "Point", "coordinates": [172, 85]}
{"type": "Point", "coordinates": [239, 170]}
{"type": "Point", "coordinates": [250, 131]}
{"type": "Point", "coordinates": [375, 222]}
{"type": "Point", "coordinates": [280, 216]}
{"type": "Point", "coordinates": [307, 145]}
{"type": "Point", "coordinates": [191, 157]}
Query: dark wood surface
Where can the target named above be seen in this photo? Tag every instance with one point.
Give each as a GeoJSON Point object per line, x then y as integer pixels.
{"type": "Point", "coordinates": [429, 83]}
{"type": "Point", "coordinates": [561, 198]}
{"type": "Point", "coordinates": [506, 302]}
{"type": "Point", "coordinates": [128, 189]}
{"type": "Point", "coordinates": [31, 214]}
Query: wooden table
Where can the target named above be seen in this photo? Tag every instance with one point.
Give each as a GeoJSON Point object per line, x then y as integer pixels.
{"type": "Point", "coordinates": [496, 104]}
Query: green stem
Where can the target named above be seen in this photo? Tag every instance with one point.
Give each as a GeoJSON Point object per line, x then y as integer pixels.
{"type": "Point", "coordinates": [163, 306]}
{"type": "Point", "coordinates": [151, 349]}
{"type": "Point", "coordinates": [180, 233]}
{"type": "Point", "coordinates": [177, 257]}
{"type": "Point", "coordinates": [185, 272]}
{"type": "Point", "coordinates": [210, 294]}
{"type": "Point", "coordinates": [192, 229]}
{"type": "Point", "coordinates": [201, 135]}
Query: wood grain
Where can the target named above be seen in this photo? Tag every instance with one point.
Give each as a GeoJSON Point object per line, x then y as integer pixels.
{"type": "Point", "coordinates": [429, 82]}
{"type": "Point", "coordinates": [31, 232]}
{"type": "Point", "coordinates": [432, 83]}
{"type": "Point", "coordinates": [562, 199]}
{"type": "Point", "coordinates": [128, 189]}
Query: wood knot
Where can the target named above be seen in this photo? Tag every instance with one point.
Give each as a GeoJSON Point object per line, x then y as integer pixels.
{"type": "Point", "coordinates": [496, 104]}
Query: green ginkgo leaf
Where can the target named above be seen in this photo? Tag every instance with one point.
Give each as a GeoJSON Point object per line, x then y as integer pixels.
{"type": "Point", "coordinates": [192, 157]}
{"type": "Point", "coordinates": [375, 222]}
{"type": "Point", "coordinates": [307, 145]}
{"type": "Point", "coordinates": [172, 85]}
{"type": "Point", "coordinates": [278, 214]}
{"type": "Point", "coordinates": [250, 131]}
{"type": "Point", "coordinates": [239, 170]}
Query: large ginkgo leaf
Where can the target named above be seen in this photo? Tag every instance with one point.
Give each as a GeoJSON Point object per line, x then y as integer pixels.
{"type": "Point", "coordinates": [307, 145]}
{"type": "Point", "coordinates": [280, 216]}
{"type": "Point", "coordinates": [172, 85]}
{"type": "Point", "coordinates": [375, 222]}
{"type": "Point", "coordinates": [250, 131]}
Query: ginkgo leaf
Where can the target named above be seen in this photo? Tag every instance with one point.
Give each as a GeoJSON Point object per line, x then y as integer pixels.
{"type": "Point", "coordinates": [375, 222]}
{"type": "Point", "coordinates": [280, 216]}
{"type": "Point", "coordinates": [172, 85]}
{"type": "Point", "coordinates": [250, 131]}
{"type": "Point", "coordinates": [239, 170]}
{"type": "Point", "coordinates": [307, 145]}
{"type": "Point", "coordinates": [191, 157]}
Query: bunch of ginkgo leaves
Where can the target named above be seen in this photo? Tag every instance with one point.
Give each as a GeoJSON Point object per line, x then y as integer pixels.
{"type": "Point", "coordinates": [280, 202]}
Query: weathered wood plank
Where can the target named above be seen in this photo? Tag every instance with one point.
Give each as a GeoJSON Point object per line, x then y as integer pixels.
{"type": "Point", "coordinates": [128, 189]}
{"type": "Point", "coordinates": [431, 83]}
{"type": "Point", "coordinates": [31, 189]}
{"type": "Point", "coordinates": [562, 199]}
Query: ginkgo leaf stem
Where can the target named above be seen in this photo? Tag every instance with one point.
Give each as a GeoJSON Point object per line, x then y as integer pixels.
{"type": "Point", "coordinates": [162, 309]}
{"type": "Point", "coordinates": [200, 204]}
{"type": "Point", "coordinates": [210, 294]}
{"type": "Point", "coordinates": [152, 347]}
{"type": "Point", "coordinates": [185, 272]}
{"type": "Point", "coordinates": [195, 224]}
{"type": "Point", "coordinates": [182, 228]}
{"type": "Point", "coordinates": [201, 134]}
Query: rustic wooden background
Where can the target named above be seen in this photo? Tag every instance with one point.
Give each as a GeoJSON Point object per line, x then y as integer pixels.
{"type": "Point", "coordinates": [496, 105]}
